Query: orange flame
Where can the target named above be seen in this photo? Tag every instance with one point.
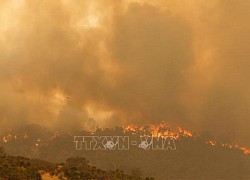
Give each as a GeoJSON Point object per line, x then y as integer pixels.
{"type": "Point", "coordinates": [165, 130]}
{"type": "Point", "coordinates": [162, 129]}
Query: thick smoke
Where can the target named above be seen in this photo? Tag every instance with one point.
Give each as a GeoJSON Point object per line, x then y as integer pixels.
{"type": "Point", "coordinates": [185, 62]}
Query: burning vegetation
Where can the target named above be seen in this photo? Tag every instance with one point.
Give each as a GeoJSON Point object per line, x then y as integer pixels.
{"type": "Point", "coordinates": [165, 130]}
{"type": "Point", "coordinates": [194, 152]}
{"type": "Point", "coordinates": [160, 130]}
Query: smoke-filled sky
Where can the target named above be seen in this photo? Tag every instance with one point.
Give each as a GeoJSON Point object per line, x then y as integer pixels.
{"type": "Point", "coordinates": [127, 61]}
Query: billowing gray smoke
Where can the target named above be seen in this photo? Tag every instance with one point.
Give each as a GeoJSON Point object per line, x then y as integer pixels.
{"type": "Point", "coordinates": [185, 62]}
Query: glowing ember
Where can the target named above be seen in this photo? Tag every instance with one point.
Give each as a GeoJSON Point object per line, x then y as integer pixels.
{"type": "Point", "coordinates": [211, 142]}
{"type": "Point", "coordinates": [5, 140]}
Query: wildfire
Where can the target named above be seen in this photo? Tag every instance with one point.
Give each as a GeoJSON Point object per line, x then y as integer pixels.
{"type": "Point", "coordinates": [229, 146]}
{"type": "Point", "coordinates": [185, 132]}
{"type": "Point", "coordinates": [5, 140]}
{"type": "Point", "coordinates": [165, 130]}
{"type": "Point", "coordinates": [245, 150]}
{"type": "Point", "coordinates": [162, 129]}
{"type": "Point", "coordinates": [8, 138]}
{"type": "Point", "coordinates": [235, 146]}
{"type": "Point", "coordinates": [211, 142]}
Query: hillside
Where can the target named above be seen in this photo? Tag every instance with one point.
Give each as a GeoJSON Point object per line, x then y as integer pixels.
{"type": "Point", "coordinates": [20, 168]}
{"type": "Point", "coordinates": [196, 156]}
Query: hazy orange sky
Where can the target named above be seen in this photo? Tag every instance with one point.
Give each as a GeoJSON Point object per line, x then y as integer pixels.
{"type": "Point", "coordinates": [182, 61]}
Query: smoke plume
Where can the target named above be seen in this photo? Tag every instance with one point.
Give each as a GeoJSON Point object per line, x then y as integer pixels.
{"type": "Point", "coordinates": [185, 62]}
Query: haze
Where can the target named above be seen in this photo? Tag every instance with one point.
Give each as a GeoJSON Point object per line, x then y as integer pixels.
{"type": "Point", "coordinates": [120, 62]}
